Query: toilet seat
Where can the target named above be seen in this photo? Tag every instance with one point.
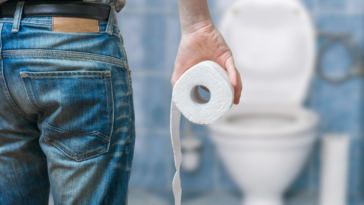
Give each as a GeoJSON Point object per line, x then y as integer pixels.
{"type": "Point", "coordinates": [265, 121]}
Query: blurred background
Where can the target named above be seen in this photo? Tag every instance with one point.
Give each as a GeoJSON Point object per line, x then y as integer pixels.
{"type": "Point", "coordinates": [151, 32]}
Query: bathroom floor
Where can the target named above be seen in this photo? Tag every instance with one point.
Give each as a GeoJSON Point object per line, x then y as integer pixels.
{"type": "Point", "coordinates": [214, 198]}
{"type": "Point", "coordinates": [141, 197]}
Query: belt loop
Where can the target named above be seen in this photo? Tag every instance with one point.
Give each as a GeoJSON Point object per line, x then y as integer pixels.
{"type": "Point", "coordinates": [17, 16]}
{"type": "Point", "coordinates": [1, 43]}
{"type": "Point", "coordinates": [110, 22]}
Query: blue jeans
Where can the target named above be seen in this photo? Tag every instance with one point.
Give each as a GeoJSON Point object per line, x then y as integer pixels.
{"type": "Point", "coordinates": [66, 114]}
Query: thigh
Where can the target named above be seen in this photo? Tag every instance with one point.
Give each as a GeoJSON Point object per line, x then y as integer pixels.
{"type": "Point", "coordinates": [23, 165]}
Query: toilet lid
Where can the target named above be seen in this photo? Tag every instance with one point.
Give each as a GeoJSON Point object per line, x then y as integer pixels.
{"type": "Point", "coordinates": [273, 44]}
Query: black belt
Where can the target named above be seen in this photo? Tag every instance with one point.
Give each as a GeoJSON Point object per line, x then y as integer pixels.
{"type": "Point", "coordinates": [75, 9]}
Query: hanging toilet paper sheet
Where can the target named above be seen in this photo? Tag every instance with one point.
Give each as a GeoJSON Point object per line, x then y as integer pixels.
{"type": "Point", "coordinates": [187, 100]}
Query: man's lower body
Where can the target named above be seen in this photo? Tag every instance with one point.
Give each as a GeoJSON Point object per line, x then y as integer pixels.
{"type": "Point", "coordinates": [66, 114]}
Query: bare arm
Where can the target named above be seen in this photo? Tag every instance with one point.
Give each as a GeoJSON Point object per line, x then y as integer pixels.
{"type": "Point", "coordinates": [194, 14]}
{"type": "Point", "coordinates": [202, 41]}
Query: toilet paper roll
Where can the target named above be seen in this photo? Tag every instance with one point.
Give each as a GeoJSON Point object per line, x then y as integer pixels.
{"type": "Point", "coordinates": [187, 100]}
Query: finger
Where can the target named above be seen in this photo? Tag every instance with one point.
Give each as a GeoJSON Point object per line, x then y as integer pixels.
{"type": "Point", "coordinates": [230, 67]}
{"type": "Point", "coordinates": [234, 78]}
{"type": "Point", "coordinates": [238, 90]}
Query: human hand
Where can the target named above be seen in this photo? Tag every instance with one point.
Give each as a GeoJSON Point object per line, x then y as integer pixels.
{"type": "Point", "coordinates": [206, 43]}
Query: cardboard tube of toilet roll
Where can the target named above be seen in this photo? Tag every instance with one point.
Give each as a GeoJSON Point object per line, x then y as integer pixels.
{"type": "Point", "coordinates": [187, 100]}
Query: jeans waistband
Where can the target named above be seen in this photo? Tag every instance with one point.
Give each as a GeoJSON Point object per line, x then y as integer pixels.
{"type": "Point", "coordinates": [47, 20]}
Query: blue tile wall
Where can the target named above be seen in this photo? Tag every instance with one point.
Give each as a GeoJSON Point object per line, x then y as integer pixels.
{"type": "Point", "coordinates": [340, 5]}
{"type": "Point", "coordinates": [145, 34]}
{"type": "Point", "coordinates": [204, 177]}
{"type": "Point", "coordinates": [146, 4]}
{"type": "Point", "coordinates": [151, 107]}
{"type": "Point", "coordinates": [149, 165]}
{"type": "Point", "coordinates": [151, 32]}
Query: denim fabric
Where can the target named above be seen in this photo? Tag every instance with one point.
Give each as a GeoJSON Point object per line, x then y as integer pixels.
{"type": "Point", "coordinates": [66, 115]}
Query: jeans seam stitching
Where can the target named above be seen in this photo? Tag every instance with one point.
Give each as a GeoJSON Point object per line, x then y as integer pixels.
{"type": "Point", "coordinates": [112, 114]}
{"type": "Point", "coordinates": [96, 133]}
{"type": "Point", "coordinates": [129, 134]}
{"type": "Point", "coordinates": [66, 54]}
{"type": "Point", "coordinates": [33, 102]}
{"type": "Point", "coordinates": [107, 103]}
{"type": "Point", "coordinates": [81, 157]}
{"type": "Point", "coordinates": [77, 158]}
{"type": "Point", "coordinates": [74, 57]}
{"type": "Point", "coordinates": [121, 46]}
{"type": "Point", "coordinates": [51, 74]}
{"type": "Point", "coordinates": [113, 108]}
{"type": "Point", "coordinates": [94, 76]}
{"type": "Point", "coordinates": [26, 92]}
{"type": "Point", "coordinates": [12, 102]}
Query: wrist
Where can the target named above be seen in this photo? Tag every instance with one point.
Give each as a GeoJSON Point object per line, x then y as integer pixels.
{"type": "Point", "coordinates": [202, 25]}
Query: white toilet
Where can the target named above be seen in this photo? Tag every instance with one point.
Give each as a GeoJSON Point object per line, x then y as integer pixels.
{"type": "Point", "coordinates": [265, 140]}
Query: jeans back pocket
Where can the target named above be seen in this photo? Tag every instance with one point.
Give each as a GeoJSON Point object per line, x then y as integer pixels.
{"type": "Point", "coordinates": [79, 109]}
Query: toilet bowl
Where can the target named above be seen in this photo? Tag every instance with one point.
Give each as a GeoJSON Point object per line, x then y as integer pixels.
{"type": "Point", "coordinates": [266, 139]}
{"type": "Point", "coordinates": [264, 148]}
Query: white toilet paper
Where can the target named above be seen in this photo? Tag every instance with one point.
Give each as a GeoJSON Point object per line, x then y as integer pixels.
{"type": "Point", "coordinates": [187, 100]}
